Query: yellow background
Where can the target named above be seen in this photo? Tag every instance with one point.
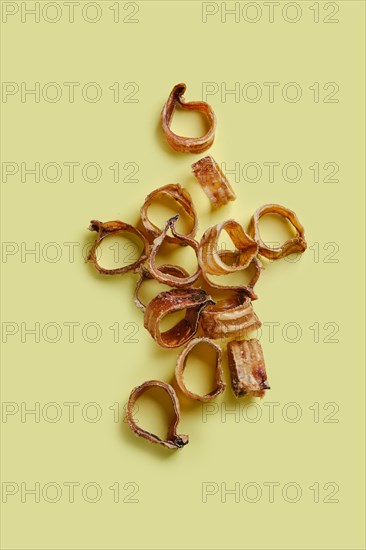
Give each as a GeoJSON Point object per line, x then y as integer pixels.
{"type": "Point", "coordinates": [170, 44]}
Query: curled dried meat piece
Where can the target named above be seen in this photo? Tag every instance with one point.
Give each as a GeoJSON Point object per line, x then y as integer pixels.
{"type": "Point", "coordinates": [231, 317]}
{"type": "Point", "coordinates": [247, 289]}
{"type": "Point", "coordinates": [173, 440]}
{"type": "Point", "coordinates": [213, 181]}
{"type": "Point", "coordinates": [169, 278]}
{"type": "Point", "coordinates": [112, 228]}
{"type": "Point", "coordinates": [209, 256]}
{"type": "Point", "coordinates": [145, 274]}
{"type": "Point", "coordinates": [193, 300]}
{"type": "Point", "coordinates": [247, 368]}
{"type": "Point", "coordinates": [295, 244]}
{"type": "Point", "coordinates": [182, 197]}
{"type": "Point", "coordinates": [181, 364]}
{"type": "Point", "coordinates": [186, 144]}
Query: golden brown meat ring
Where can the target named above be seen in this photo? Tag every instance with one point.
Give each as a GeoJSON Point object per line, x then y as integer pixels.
{"type": "Point", "coordinates": [193, 300]}
{"type": "Point", "coordinates": [173, 440]}
{"type": "Point", "coordinates": [248, 288]}
{"type": "Point", "coordinates": [213, 181]}
{"type": "Point", "coordinates": [181, 365]}
{"type": "Point", "coordinates": [169, 278]}
{"type": "Point", "coordinates": [247, 368]}
{"type": "Point", "coordinates": [228, 318]}
{"type": "Point", "coordinates": [174, 270]}
{"type": "Point", "coordinates": [295, 244]}
{"type": "Point", "coordinates": [209, 256]}
{"type": "Point", "coordinates": [179, 195]}
{"type": "Point", "coordinates": [186, 144]}
{"type": "Point", "coordinates": [113, 228]}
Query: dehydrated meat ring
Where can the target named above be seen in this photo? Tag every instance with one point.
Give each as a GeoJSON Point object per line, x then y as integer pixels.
{"type": "Point", "coordinates": [181, 365]}
{"type": "Point", "coordinates": [181, 197]}
{"type": "Point", "coordinates": [145, 274]}
{"type": "Point", "coordinates": [213, 181]}
{"type": "Point", "coordinates": [193, 300]}
{"type": "Point", "coordinates": [231, 317]}
{"type": "Point", "coordinates": [186, 144]}
{"type": "Point", "coordinates": [112, 228]}
{"type": "Point", "coordinates": [209, 256]}
{"type": "Point", "coordinates": [247, 368]}
{"type": "Point", "coordinates": [248, 288]}
{"type": "Point", "coordinates": [295, 244]}
{"type": "Point", "coordinates": [169, 278]}
{"type": "Point", "coordinates": [173, 440]}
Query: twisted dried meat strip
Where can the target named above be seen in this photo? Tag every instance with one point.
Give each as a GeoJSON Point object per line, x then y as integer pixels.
{"type": "Point", "coordinates": [181, 365]}
{"type": "Point", "coordinates": [112, 228]}
{"type": "Point", "coordinates": [247, 289]}
{"type": "Point", "coordinates": [231, 317]}
{"type": "Point", "coordinates": [193, 300]}
{"type": "Point", "coordinates": [213, 181]}
{"type": "Point", "coordinates": [182, 197]}
{"type": "Point", "coordinates": [247, 368]}
{"type": "Point", "coordinates": [295, 244]}
{"type": "Point", "coordinates": [185, 144]}
{"type": "Point", "coordinates": [173, 440]}
{"type": "Point", "coordinates": [209, 256]}
{"type": "Point", "coordinates": [169, 278]}
{"type": "Point", "coordinates": [145, 274]}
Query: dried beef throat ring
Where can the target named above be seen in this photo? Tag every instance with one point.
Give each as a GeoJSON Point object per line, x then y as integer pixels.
{"type": "Point", "coordinates": [173, 440]}
{"type": "Point", "coordinates": [193, 300]}
{"type": "Point", "coordinates": [169, 278]}
{"type": "Point", "coordinates": [231, 317]}
{"type": "Point", "coordinates": [209, 255]}
{"type": "Point", "coordinates": [295, 244]}
{"type": "Point", "coordinates": [112, 228]}
{"type": "Point", "coordinates": [186, 144]}
{"type": "Point", "coordinates": [174, 270]}
{"type": "Point", "coordinates": [181, 365]}
{"type": "Point", "coordinates": [182, 197]}
{"type": "Point", "coordinates": [213, 181]}
{"type": "Point", "coordinates": [247, 368]}
{"type": "Point", "coordinates": [248, 288]}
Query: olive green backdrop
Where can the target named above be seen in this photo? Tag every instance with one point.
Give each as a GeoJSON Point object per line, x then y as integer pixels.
{"type": "Point", "coordinates": [286, 81]}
